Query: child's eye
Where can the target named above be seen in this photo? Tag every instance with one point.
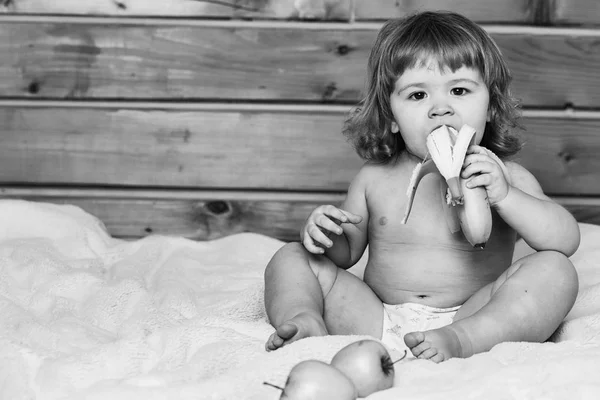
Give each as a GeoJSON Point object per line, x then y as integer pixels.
{"type": "Point", "coordinates": [417, 96]}
{"type": "Point", "coordinates": [459, 91]}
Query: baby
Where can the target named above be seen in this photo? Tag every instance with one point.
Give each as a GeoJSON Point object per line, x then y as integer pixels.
{"type": "Point", "coordinates": [425, 287]}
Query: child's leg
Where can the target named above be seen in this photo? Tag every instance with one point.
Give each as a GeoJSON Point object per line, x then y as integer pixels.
{"type": "Point", "coordinates": [526, 303]}
{"type": "Point", "coordinates": [308, 295]}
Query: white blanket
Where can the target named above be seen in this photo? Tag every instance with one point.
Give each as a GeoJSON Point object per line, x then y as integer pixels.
{"type": "Point", "coordinates": [86, 316]}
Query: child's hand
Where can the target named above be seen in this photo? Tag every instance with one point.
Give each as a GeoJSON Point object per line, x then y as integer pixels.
{"type": "Point", "coordinates": [482, 170]}
{"type": "Point", "coordinates": [321, 224]}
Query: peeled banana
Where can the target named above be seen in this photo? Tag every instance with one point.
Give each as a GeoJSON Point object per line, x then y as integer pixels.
{"type": "Point", "coordinates": [447, 149]}
{"type": "Point", "coordinates": [475, 215]}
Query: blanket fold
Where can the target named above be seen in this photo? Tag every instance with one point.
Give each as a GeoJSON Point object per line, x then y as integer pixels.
{"type": "Point", "coordinates": [87, 316]}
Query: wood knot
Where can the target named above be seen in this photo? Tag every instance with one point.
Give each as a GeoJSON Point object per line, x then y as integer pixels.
{"type": "Point", "coordinates": [343, 49]}
{"type": "Point", "coordinates": [34, 87]}
{"type": "Point", "coordinates": [217, 207]}
{"type": "Point", "coordinates": [329, 92]}
{"type": "Point", "coordinates": [566, 156]}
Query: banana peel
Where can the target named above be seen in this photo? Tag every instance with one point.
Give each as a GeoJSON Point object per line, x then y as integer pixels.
{"type": "Point", "coordinates": [425, 167]}
{"type": "Point", "coordinates": [447, 149]}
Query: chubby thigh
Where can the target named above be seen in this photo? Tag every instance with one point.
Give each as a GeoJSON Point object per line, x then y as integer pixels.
{"type": "Point", "coordinates": [350, 306]}
{"type": "Point", "coordinates": [544, 283]}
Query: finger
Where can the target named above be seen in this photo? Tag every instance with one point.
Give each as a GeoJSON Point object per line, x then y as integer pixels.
{"type": "Point", "coordinates": [479, 167]}
{"type": "Point", "coordinates": [330, 226]}
{"type": "Point", "coordinates": [310, 245]}
{"type": "Point", "coordinates": [476, 149]}
{"type": "Point", "coordinates": [479, 180]}
{"type": "Point", "coordinates": [335, 213]}
{"type": "Point", "coordinates": [319, 236]}
{"type": "Point", "coordinates": [352, 218]}
{"type": "Point", "coordinates": [476, 157]}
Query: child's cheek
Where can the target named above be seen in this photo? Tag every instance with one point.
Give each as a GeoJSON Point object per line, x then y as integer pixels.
{"type": "Point", "coordinates": [479, 135]}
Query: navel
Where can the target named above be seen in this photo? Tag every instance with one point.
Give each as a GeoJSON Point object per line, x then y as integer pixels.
{"type": "Point", "coordinates": [383, 221]}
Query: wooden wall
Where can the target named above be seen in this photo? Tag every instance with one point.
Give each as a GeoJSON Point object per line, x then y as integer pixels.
{"type": "Point", "coordinates": [206, 118]}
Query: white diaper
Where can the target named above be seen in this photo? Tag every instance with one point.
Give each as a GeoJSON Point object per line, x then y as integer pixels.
{"type": "Point", "coordinates": [400, 319]}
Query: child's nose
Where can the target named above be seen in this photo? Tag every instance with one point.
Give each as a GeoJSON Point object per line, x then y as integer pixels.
{"type": "Point", "coordinates": [440, 110]}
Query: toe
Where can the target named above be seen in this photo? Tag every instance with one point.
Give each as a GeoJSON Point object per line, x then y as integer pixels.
{"type": "Point", "coordinates": [428, 354]}
{"type": "Point", "coordinates": [438, 358]}
{"type": "Point", "coordinates": [277, 341]}
{"type": "Point", "coordinates": [270, 345]}
{"type": "Point", "coordinates": [413, 339]}
{"type": "Point", "coordinates": [420, 349]}
{"type": "Point", "coordinates": [287, 330]}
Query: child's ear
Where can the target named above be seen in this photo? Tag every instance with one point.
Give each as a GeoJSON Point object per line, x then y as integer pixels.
{"type": "Point", "coordinates": [395, 127]}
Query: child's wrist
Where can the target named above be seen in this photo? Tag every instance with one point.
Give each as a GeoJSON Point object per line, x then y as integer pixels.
{"type": "Point", "coordinates": [500, 203]}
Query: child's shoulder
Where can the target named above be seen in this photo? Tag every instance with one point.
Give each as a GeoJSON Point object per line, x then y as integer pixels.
{"type": "Point", "coordinates": [373, 169]}
{"type": "Point", "coordinates": [516, 170]}
{"type": "Point", "coordinates": [372, 172]}
{"type": "Point", "coordinates": [522, 178]}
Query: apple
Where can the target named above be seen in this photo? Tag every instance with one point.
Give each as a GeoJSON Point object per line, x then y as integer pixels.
{"type": "Point", "coordinates": [368, 365]}
{"type": "Point", "coordinates": [316, 380]}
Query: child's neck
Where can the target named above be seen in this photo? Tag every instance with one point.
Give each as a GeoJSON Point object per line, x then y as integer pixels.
{"type": "Point", "coordinates": [409, 158]}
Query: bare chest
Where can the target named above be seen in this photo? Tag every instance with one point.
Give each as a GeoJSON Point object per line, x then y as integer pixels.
{"type": "Point", "coordinates": [423, 257]}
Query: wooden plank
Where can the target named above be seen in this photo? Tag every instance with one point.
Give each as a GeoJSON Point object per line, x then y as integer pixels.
{"type": "Point", "coordinates": [562, 153]}
{"type": "Point", "coordinates": [508, 11]}
{"type": "Point", "coordinates": [194, 219]}
{"type": "Point", "coordinates": [274, 62]}
{"type": "Point", "coordinates": [292, 149]}
{"type": "Point", "coordinates": [483, 11]}
{"type": "Point", "coordinates": [296, 148]}
{"type": "Point", "coordinates": [580, 12]}
{"type": "Point", "coordinates": [171, 8]}
{"type": "Point", "coordinates": [208, 218]}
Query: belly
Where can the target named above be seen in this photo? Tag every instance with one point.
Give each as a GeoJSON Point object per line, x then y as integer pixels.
{"type": "Point", "coordinates": [422, 261]}
{"type": "Point", "coordinates": [434, 275]}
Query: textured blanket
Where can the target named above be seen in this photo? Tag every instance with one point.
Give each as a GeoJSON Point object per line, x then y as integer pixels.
{"type": "Point", "coordinates": [87, 316]}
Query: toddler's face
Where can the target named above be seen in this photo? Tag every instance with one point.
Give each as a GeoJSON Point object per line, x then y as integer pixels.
{"type": "Point", "coordinates": [426, 97]}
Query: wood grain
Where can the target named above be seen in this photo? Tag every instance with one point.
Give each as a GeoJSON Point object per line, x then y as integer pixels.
{"type": "Point", "coordinates": [511, 11]}
{"type": "Point", "coordinates": [221, 149]}
{"type": "Point", "coordinates": [171, 8]}
{"type": "Point", "coordinates": [508, 11]}
{"type": "Point", "coordinates": [296, 148]}
{"type": "Point", "coordinates": [576, 12]}
{"type": "Point", "coordinates": [210, 216]}
{"type": "Point", "coordinates": [566, 12]}
{"type": "Point", "coordinates": [275, 63]}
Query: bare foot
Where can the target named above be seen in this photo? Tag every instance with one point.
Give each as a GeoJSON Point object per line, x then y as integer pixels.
{"type": "Point", "coordinates": [436, 345]}
{"type": "Point", "coordinates": [301, 326]}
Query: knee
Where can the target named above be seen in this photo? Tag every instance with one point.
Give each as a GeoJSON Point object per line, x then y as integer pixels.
{"type": "Point", "coordinates": [288, 253]}
{"type": "Point", "coordinates": [560, 266]}
{"type": "Point", "coordinates": [290, 250]}
{"type": "Point", "coordinates": [295, 255]}
{"type": "Point", "coordinates": [560, 270]}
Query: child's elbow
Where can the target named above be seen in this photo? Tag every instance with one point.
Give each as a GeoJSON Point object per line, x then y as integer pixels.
{"type": "Point", "coordinates": [574, 242]}
{"type": "Point", "coordinates": [566, 243]}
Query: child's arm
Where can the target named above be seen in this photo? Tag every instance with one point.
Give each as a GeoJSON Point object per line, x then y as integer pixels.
{"type": "Point", "coordinates": [340, 233]}
{"type": "Point", "coordinates": [541, 222]}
